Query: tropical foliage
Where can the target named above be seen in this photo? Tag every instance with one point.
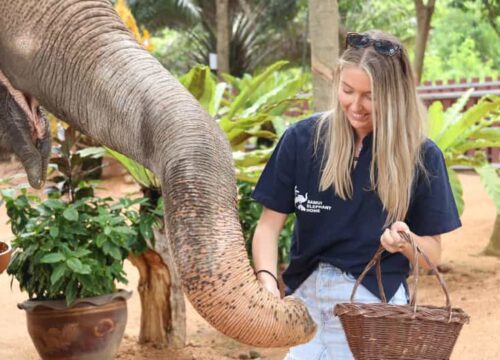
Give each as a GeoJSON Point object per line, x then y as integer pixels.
{"type": "Point", "coordinates": [457, 132]}
{"type": "Point", "coordinates": [242, 106]}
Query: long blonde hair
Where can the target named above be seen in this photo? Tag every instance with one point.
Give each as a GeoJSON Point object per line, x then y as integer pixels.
{"type": "Point", "coordinates": [398, 130]}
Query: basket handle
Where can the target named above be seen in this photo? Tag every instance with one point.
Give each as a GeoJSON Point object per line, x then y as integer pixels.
{"type": "Point", "coordinates": [375, 261]}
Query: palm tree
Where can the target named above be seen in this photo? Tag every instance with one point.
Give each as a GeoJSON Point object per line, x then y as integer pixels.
{"type": "Point", "coordinates": [258, 30]}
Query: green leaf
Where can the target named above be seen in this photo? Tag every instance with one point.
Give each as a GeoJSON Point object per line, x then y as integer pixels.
{"type": "Point", "coordinates": [100, 240]}
{"type": "Point", "coordinates": [93, 152]}
{"type": "Point", "coordinates": [277, 93]}
{"type": "Point", "coordinates": [217, 99]}
{"type": "Point", "coordinates": [54, 231]}
{"type": "Point", "coordinates": [490, 134]}
{"type": "Point", "coordinates": [124, 230]}
{"type": "Point", "coordinates": [491, 182]}
{"type": "Point", "coordinates": [477, 144]}
{"type": "Point", "coordinates": [112, 250]}
{"type": "Point", "coordinates": [54, 204]}
{"type": "Point", "coordinates": [201, 84]}
{"type": "Point", "coordinates": [141, 174]}
{"type": "Point", "coordinates": [463, 127]}
{"type": "Point", "coordinates": [71, 291]}
{"type": "Point", "coordinates": [240, 100]}
{"type": "Point", "coordinates": [456, 188]}
{"type": "Point", "coordinates": [452, 114]}
{"type": "Point", "coordinates": [146, 230]}
{"type": "Point", "coordinates": [52, 258]}
{"type": "Point", "coordinates": [70, 214]}
{"type": "Point", "coordinates": [256, 157]}
{"type": "Point", "coordinates": [76, 265]}
{"type": "Point", "coordinates": [81, 253]}
{"type": "Point", "coordinates": [58, 273]}
{"type": "Point", "coordinates": [435, 118]}
{"type": "Point", "coordinates": [233, 129]}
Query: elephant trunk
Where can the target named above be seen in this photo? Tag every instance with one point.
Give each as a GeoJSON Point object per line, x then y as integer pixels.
{"type": "Point", "coordinates": [202, 219]}
{"type": "Point", "coordinates": [90, 72]}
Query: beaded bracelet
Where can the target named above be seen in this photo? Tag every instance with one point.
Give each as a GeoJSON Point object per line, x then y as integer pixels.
{"type": "Point", "coordinates": [270, 273]}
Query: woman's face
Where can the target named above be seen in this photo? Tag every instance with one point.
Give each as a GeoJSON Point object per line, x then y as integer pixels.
{"type": "Point", "coordinates": [355, 99]}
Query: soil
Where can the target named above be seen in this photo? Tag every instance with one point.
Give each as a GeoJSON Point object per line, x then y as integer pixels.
{"type": "Point", "coordinates": [473, 281]}
{"type": "Point", "coordinates": [3, 247]}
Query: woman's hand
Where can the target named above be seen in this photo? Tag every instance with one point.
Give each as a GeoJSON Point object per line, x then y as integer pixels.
{"type": "Point", "coordinates": [269, 283]}
{"type": "Point", "coordinates": [390, 239]}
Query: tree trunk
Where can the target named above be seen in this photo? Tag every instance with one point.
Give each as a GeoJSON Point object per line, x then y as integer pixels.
{"type": "Point", "coordinates": [163, 315]}
{"type": "Point", "coordinates": [223, 37]}
{"type": "Point", "coordinates": [493, 248]}
{"type": "Point", "coordinates": [324, 33]}
{"type": "Point", "coordinates": [424, 16]}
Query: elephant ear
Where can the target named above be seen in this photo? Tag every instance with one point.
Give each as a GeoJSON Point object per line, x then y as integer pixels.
{"type": "Point", "coordinates": [24, 130]}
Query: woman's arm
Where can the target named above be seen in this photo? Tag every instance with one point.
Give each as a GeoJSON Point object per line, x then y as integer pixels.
{"type": "Point", "coordinates": [430, 245]}
{"type": "Point", "coordinates": [265, 247]}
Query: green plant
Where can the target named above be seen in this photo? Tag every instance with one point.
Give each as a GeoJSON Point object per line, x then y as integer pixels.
{"type": "Point", "coordinates": [456, 132]}
{"type": "Point", "coordinates": [72, 243]}
{"type": "Point", "coordinates": [250, 211]}
{"type": "Point", "coordinates": [251, 108]}
{"type": "Point", "coordinates": [68, 249]}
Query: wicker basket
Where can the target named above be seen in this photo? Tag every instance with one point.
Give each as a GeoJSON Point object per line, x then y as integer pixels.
{"type": "Point", "coordinates": [384, 331]}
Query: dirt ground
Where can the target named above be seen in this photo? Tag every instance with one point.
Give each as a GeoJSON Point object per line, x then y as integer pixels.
{"type": "Point", "coordinates": [474, 281]}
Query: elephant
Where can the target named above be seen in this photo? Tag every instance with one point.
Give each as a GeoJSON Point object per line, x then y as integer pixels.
{"type": "Point", "coordinates": [78, 60]}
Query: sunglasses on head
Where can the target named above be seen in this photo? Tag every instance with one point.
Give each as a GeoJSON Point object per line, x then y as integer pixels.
{"type": "Point", "coordinates": [384, 47]}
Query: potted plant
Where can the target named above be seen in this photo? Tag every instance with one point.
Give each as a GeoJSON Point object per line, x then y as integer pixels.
{"type": "Point", "coordinates": [5, 253]}
{"type": "Point", "coordinates": [69, 250]}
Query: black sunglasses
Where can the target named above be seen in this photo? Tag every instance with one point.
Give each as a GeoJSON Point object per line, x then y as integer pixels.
{"type": "Point", "coordinates": [384, 47]}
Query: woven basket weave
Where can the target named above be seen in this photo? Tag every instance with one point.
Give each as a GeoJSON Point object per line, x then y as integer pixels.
{"type": "Point", "coordinates": [383, 331]}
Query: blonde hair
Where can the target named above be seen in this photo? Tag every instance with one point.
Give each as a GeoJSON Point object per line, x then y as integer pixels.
{"type": "Point", "coordinates": [398, 130]}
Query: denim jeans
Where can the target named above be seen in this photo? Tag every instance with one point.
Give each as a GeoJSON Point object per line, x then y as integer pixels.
{"type": "Point", "coordinates": [324, 288]}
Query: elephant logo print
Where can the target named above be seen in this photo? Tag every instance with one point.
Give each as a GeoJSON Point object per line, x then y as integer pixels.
{"type": "Point", "coordinates": [304, 204]}
{"type": "Point", "coordinates": [300, 200]}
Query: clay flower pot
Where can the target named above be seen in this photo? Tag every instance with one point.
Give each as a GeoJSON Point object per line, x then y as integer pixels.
{"type": "Point", "coordinates": [5, 253]}
{"type": "Point", "coordinates": [89, 329]}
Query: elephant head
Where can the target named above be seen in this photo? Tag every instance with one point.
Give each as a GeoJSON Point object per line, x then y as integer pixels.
{"type": "Point", "coordinates": [81, 63]}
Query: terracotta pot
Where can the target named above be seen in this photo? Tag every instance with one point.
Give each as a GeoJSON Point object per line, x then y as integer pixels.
{"type": "Point", "coordinates": [89, 329]}
{"type": "Point", "coordinates": [5, 253]}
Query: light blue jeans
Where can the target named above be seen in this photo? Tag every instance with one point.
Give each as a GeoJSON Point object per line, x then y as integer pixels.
{"type": "Point", "coordinates": [324, 288]}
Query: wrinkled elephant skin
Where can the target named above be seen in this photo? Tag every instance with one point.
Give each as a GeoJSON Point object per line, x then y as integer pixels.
{"type": "Point", "coordinates": [80, 62]}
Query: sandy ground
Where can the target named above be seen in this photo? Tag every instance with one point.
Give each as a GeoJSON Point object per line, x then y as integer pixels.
{"type": "Point", "coordinates": [474, 281]}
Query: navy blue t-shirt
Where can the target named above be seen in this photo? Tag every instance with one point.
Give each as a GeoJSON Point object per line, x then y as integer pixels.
{"type": "Point", "coordinates": [346, 233]}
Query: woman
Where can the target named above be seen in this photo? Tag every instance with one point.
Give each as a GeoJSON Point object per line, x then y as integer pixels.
{"type": "Point", "coordinates": [355, 177]}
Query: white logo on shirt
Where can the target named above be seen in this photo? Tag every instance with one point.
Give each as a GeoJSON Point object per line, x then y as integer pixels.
{"type": "Point", "coordinates": [302, 203]}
